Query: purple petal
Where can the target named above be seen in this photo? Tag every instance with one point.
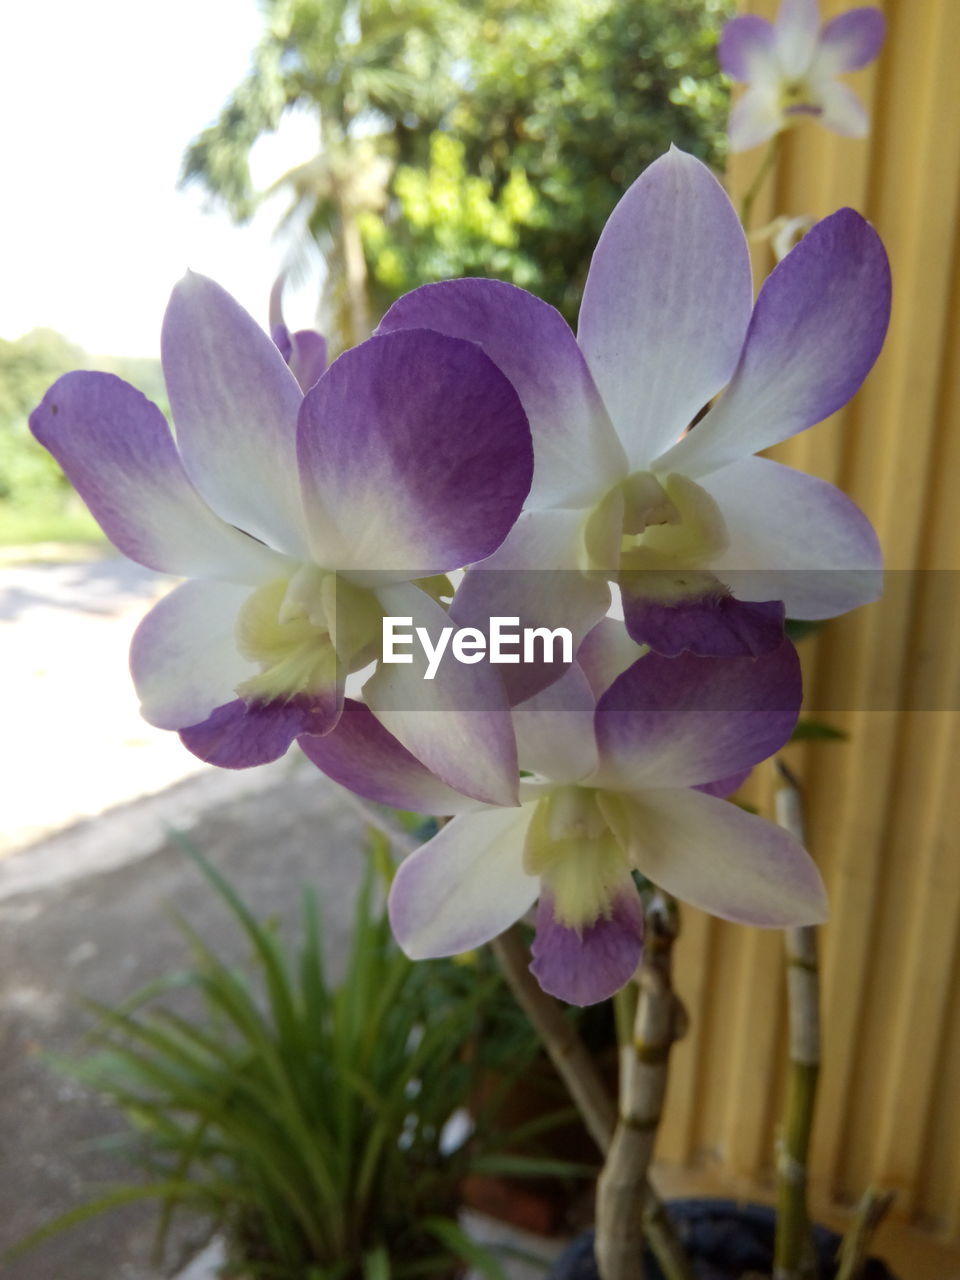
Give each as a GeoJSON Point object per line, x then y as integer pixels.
{"type": "Point", "coordinates": [745, 50]}
{"type": "Point", "coordinates": [242, 734]}
{"type": "Point", "coordinates": [118, 453]}
{"type": "Point", "coordinates": [362, 756]}
{"type": "Point", "coordinates": [708, 621]}
{"type": "Point", "coordinates": [606, 653]}
{"type": "Point", "coordinates": [687, 721]}
{"type": "Point", "coordinates": [725, 786]}
{"type": "Point", "coordinates": [851, 41]}
{"type": "Point", "coordinates": [666, 303]}
{"type": "Point", "coordinates": [415, 456]}
{"type": "Point", "coordinates": [308, 357]}
{"type": "Point", "coordinates": [816, 331]}
{"type": "Point", "coordinates": [464, 886]}
{"type": "Point", "coordinates": [533, 577]}
{"type": "Point", "coordinates": [576, 449]}
{"type": "Point", "coordinates": [235, 404]}
{"type": "Point", "coordinates": [794, 538]}
{"type": "Point", "coordinates": [716, 856]}
{"type": "Point", "coordinates": [457, 723]}
{"type": "Point", "coordinates": [585, 966]}
{"type": "Point", "coordinates": [184, 659]}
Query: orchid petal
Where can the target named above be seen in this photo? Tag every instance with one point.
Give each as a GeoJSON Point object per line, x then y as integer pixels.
{"type": "Point", "coordinates": [705, 619]}
{"type": "Point", "coordinates": [555, 729]}
{"type": "Point", "coordinates": [585, 966]}
{"type": "Point", "coordinates": [242, 734]}
{"type": "Point", "coordinates": [850, 41]}
{"type": "Point", "coordinates": [534, 577]}
{"type": "Point", "coordinates": [683, 721]}
{"type": "Point", "coordinates": [184, 658]}
{"type": "Point", "coordinates": [816, 331]}
{"type": "Point", "coordinates": [666, 303]}
{"type": "Point", "coordinates": [465, 886]}
{"type": "Point", "coordinates": [606, 653]}
{"type": "Point", "coordinates": [363, 757]}
{"type": "Point", "coordinates": [724, 787]}
{"type": "Point", "coordinates": [745, 51]}
{"type": "Point", "coordinates": [576, 448]}
{"type": "Point", "coordinates": [118, 453]}
{"type": "Point", "coordinates": [755, 118]}
{"type": "Point", "coordinates": [716, 856]}
{"type": "Point", "coordinates": [794, 538]}
{"type": "Point", "coordinates": [458, 723]}
{"type": "Point", "coordinates": [843, 112]}
{"type": "Point", "coordinates": [235, 403]}
{"type": "Point", "coordinates": [415, 456]}
{"type": "Point", "coordinates": [796, 30]}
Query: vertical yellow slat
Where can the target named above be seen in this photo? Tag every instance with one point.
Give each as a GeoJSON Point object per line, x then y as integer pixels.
{"type": "Point", "coordinates": [884, 808]}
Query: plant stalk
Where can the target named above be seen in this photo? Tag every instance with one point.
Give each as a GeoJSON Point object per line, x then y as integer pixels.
{"type": "Point", "coordinates": [586, 1086]}
{"type": "Point", "coordinates": [625, 1211]}
{"type": "Point", "coordinates": [854, 1251]}
{"type": "Point", "coordinates": [793, 1251]}
{"type": "Point", "coordinates": [768, 162]}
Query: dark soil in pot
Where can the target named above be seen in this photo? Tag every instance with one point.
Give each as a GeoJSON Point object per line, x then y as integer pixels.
{"type": "Point", "coordinates": [726, 1241]}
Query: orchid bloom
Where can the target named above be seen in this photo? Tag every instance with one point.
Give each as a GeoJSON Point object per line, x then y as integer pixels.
{"type": "Point", "coordinates": [300, 521]}
{"type": "Point", "coordinates": [791, 66]}
{"type": "Point", "coordinates": [707, 543]}
{"type": "Point", "coordinates": [305, 350]}
{"type": "Point", "coordinates": [611, 789]}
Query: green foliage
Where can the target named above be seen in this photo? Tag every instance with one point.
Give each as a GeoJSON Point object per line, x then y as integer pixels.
{"type": "Point", "coordinates": [572, 99]}
{"type": "Point", "coordinates": [307, 1119]}
{"type": "Point", "coordinates": [467, 136]}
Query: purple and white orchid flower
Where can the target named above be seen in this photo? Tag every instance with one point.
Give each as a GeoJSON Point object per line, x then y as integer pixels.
{"type": "Point", "coordinates": [708, 543]}
{"type": "Point", "coordinates": [791, 66]}
{"type": "Point", "coordinates": [300, 521]}
{"type": "Point", "coordinates": [625, 781]}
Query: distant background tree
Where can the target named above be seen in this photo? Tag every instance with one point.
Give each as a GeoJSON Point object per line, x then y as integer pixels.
{"type": "Point", "coordinates": [465, 136]}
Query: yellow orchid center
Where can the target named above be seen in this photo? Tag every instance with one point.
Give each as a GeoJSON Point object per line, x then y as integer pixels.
{"type": "Point", "coordinates": [572, 848]}
{"type": "Point", "coordinates": [797, 98]}
{"type": "Point", "coordinates": [304, 632]}
{"type": "Point", "coordinates": [654, 522]}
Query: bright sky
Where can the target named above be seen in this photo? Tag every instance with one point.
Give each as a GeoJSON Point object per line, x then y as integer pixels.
{"type": "Point", "coordinates": [98, 100]}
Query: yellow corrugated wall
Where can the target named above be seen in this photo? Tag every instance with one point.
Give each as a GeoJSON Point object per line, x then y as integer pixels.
{"type": "Point", "coordinates": [884, 808]}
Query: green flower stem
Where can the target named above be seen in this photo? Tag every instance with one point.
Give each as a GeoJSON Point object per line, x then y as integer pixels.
{"type": "Point", "coordinates": [793, 1252]}
{"type": "Point", "coordinates": [626, 1211]}
{"type": "Point", "coordinates": [767, 164]}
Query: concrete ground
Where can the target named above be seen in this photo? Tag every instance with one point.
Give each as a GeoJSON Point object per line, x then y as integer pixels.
{"type": "Point", "coordinates": [90, 799]}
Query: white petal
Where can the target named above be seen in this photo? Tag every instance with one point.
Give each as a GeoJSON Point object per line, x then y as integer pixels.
{"type": "Point", "coordinates": [794, 538]}
{"type": "Point", "coordinates": [184, 659]}
{"type": "Point", "coordinates": [465, 886]}
{"type": "Point", "coordinates": [713, 854]}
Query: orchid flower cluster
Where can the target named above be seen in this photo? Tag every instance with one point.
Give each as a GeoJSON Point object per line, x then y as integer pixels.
{"type": "Point", "coordinates": [604, 482]}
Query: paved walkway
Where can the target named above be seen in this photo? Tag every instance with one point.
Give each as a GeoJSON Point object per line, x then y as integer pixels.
{"type": "Point", "coordinates": [74, 742]}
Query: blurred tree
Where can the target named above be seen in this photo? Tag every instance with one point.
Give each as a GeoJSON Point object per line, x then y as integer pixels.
{"type": "Point", "coordinates": [366, 68]}
{"type": "Point", "coordinates": [568, 101]}
{"type": "Point", "coordinates": [477, 136]}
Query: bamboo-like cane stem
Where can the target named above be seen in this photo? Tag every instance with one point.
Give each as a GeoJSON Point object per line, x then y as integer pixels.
{"type": "Point", "coordinates": [624, 1212]}
{"type": "Point", "coordinates": [586, 1086]}
{"type": "Point", "coordinates": [793, 1253]}
{"type": "Point", "coordinates": [855, 1249]}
